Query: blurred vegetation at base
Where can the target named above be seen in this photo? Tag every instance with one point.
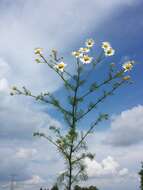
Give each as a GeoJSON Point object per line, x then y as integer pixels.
{"type": "Point", "coordinates": [55, 187]}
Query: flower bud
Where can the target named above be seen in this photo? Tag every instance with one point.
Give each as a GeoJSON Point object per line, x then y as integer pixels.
{"type": "Point", "coordinates": [11, 93]}
{"type": "Point", "coordinates": [126, 77]}
{"type": "Point", "coordinates": [37, 60]}
{"type": "Point", "coordinates": [14, 88]}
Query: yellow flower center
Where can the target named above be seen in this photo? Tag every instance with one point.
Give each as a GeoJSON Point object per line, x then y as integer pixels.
{"type": "Point", "coordinates": [86, 58]}
{"type": "Point", "coordinates": [109, 51]}
{"type": "Point", "coordinates": [105, 46]}
{"type": "Point", "coordinates": [128, 66]}
{"type": "Point", "coordinates": [38, 50]}
{"type": "Point", "coordinates": [77, 53]}
{"type": "Point", "coordinates": [61, 66]}
{"type": "Point", "coordinates": [89, 43]}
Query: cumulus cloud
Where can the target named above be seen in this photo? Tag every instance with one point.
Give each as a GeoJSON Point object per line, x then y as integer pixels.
{"type": "Point", "coordinates": [25, 153]}
{"type": "Point", "coordinates": [18, 117]}
{"type": "Point", "coordinates": [126, 158]}
{"type": "Point", "coordinates": [106, 168]}
{"type": "Point", "coordinates": [4, 71]}
{"type": "Point", "coordinates": [4, 68]}
{"type": "Point", "coordinates": [126, 128]}
{"type": "Point", "coordinates": [23, 28]}
{"type": "Point", "coordinates": [18, 120]}
{"type": "Point", "coordinates": [22, 121]}
{"type": "Point", "coordinates": [123, 172]}
{"type": "Point", "coordinates": [34, 180]}
{"type": "Point", "coordinates": [10, 164]}
{"type": "Point", "coordinates": [4, 85]}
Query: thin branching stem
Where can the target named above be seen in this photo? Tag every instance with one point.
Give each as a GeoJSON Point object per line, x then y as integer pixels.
{"type": "Point", "coordinates": [54, 143]}
{"type": "Point", "coordinates": [96, 122]}
{"type": "Point", "coordinates": [88, 131]}
{"type": "Point", "coordinates": [76, 175]}
{"type": "Point", "coordinates": [95, 62]}
{"type": "Point", "coordinates": [102, 84]}
{"type": "Point", "coordinates": [63, 110]}
{"type": "Point", "coordinates": [61, 76]}
{"type": "Point", "coordinates": [100, 100]}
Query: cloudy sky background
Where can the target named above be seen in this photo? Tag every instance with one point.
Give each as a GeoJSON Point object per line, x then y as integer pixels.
{"type": "Point", "coordinates": [65, 25]}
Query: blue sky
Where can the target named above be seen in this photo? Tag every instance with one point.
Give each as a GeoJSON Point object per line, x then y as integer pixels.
{"type": "Point", "coordinates": [65, 25]}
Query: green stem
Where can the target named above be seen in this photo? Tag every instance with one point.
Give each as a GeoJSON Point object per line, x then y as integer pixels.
{"type": "Point", "coordinates": [58, 106]}
{"type": "Point", "coordinates": [98, 60]}
{"type": "Point", "coordinates": [100, 100]}
{"type": "Point", "coordinates": [74, 109]}
{"type": "Point", "coordinates": [56, 71]}
{"type": "Point", "coordinates": [102, 84]}
{"type": "Point", "coordinates": [54, 143]}
{"type": "Point", "coordinates": [89, 130]}
{"type": "Point", "coordinates": [98, 120]}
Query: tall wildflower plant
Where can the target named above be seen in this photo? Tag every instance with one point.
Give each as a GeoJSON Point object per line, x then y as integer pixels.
{"type": "Point", "coordinates": [72, 145]}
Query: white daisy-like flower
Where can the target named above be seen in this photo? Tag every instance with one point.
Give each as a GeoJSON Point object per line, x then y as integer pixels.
{"type": "Point", "coordinates": [38, 51]}
{"type": "Point", "coordinates": [60, 66]}
{"type": "Point", "coordinates": [89, 43]}
{"type": "Point", "coordinates": [86, 59]}
{"type": "Point", "coordinates": [127, 66]}
{"type": "Point", "coordinates": [77, 54]}
{"type": "Point", "coordinates": [84, 50]}
{"type": "Point", "coordinates": [106, 45]}
{"type": "Point", "coordinates": [109, 52]}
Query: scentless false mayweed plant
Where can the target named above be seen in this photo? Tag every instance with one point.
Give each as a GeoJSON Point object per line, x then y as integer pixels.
{"type": "Point", "coordinates": [71, 143]}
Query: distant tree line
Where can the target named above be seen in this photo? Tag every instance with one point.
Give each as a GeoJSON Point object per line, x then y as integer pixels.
{"type": "Point", "coordinates": [55, 187]}
{"type": "Point", "coordinates": [85, 188]}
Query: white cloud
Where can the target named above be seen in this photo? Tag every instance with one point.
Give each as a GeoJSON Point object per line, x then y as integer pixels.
{"type": "Point", "coordinates": [25, 153]}
{"type": "Point", "coordinates": [123, 172]}
{"type": "Point", "coordinates": [4, 71]}
{"type": "Point", "coordinates": [108, 167]}
{"type": "Point", "coordinates": [127, 157]}
{"type": "Point", "coordinates": [35, 179]}
{"type": "Point", "coordinates": [127, 127]}
{"type": "Point", "coordinates": [4, 68]}
{"type": "Point", "coordinates": [23, 28]}
{"type": "Point", "coordinates": [4, 85]}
